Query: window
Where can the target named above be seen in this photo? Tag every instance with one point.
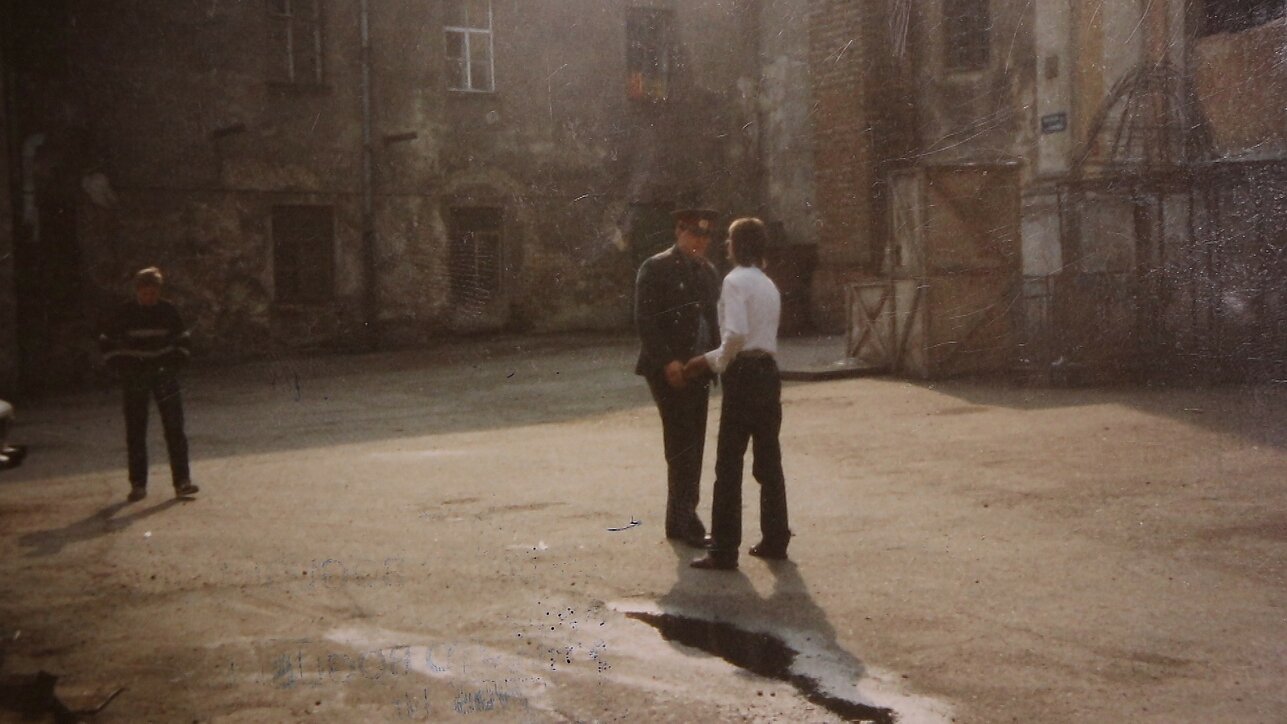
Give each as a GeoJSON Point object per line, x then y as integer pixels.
{"type": "Point", "coordinates": [648, 51]}
{"type": "Point", "coordinates": [1232, 16]}
{"type": "Point", "coordinates": [303, 254]}
{"type": "Point", "coordinates": [295, 41]}
{"type": "Point", "coordinates": [967, 37]}
{"type": "Point", "coordinates": [475, 257]}
{"type": "Point", "coordinates": [469, 46]}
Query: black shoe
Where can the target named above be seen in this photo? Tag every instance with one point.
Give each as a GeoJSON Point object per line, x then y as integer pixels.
{"type": "Point", "coordinates": [137, 493]}
{"type": "Point", "coordinates": [185, 489]}
{"type": "Point", "coordinates": [769, 551]}
{"type": "Point", "coordinates": [710, 562]}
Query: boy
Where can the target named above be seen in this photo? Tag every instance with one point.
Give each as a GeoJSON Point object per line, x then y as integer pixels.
{"type": "Point", "coordinates": [146, 344]}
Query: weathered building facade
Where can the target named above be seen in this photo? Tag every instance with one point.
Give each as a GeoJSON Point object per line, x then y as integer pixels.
{"type": "Point", "coordinates": [1054, 185]}
{"type": "Point", "coordinates": [337, 173]}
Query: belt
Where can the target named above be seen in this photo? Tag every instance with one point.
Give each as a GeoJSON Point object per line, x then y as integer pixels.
{"type": "Point", "coordinates": [755, 354]}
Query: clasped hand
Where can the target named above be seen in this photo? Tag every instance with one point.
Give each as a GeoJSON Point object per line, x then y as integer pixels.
{"type": "Point", "coordinates": [679, 374]}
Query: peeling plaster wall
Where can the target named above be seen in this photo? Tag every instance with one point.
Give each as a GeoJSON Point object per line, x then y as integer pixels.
{"type": "Point", "coordinates": [785, 102]}
{"type": "Point", "coordinates": [189, 149]}
{"type": "Point", "coordinates": [197, 149]}
{"type": "Point", "coordinates": [563, 148]}
{"type": "Point", "coordinates": [976, 116]}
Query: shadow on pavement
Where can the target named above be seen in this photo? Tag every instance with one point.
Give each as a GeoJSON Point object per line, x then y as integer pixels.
{"type": "Point", "coordinates": [338, 400]}
{"type": "Point", "coordinates": [786, 636]}
{"type": "Point", "coordinates": [99, 523]}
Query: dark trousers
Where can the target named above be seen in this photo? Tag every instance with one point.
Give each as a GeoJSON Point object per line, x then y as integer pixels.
{"type": "Point", "coordinates": [165, 388]}
{"type": "Point", "coordinates": [751, 412]}
{"type": "Point", "coordinates": [683, 428]}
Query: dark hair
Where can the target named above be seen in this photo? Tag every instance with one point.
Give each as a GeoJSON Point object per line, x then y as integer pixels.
{"type": "Point", "coordinates": [750, 240]}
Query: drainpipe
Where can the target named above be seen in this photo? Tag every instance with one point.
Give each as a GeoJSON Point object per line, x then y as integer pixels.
{"type": "Point", "coordinates": [369, 297]}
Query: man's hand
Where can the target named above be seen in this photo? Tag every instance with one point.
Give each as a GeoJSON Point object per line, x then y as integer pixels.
{"type": "Point", "coordinates": [675, 375]}
{"type": "Point", "coordinates": [696, 367]}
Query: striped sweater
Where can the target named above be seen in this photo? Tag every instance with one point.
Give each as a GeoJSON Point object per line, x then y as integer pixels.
{"type": "Point", "coordinates": [145, 339]}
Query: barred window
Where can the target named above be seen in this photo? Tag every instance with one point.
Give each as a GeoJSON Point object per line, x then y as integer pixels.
{"type": "Point", "coordinates": [648, 53]}
{"type": "Point", "coordinates": [1232, 16]}
{"type": "Point", "coordinates": [967, 36]}
{"type": "Point", "coordinates": [303, 254]}
{"type": "Point", "coordinates": [475, 255]}
{"type": "Point", "coordinates": [468, 28]}
{"type": "Point", "coordinates": [295, 42]}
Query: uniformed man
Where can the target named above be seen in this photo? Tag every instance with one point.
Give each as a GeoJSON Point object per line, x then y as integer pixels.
{"type": "Point", "coordinates": [676, 294]}
{"type": "Point", "coordinates": [749, 310]}
{"type": "Point", "coordinates": [145, 343]}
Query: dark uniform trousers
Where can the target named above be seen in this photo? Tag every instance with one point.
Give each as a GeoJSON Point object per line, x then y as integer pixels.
{"type": "Point", "coordinates": [751, 412]}
{"type": "Point", "coordinates": [683, 426]}
{"type": "Point", "coordinates": [164, 387]}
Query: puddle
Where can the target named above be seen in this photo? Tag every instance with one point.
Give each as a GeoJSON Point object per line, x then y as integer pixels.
{"type": "Point", "coordinates": [33, 698]}
{"type": "Point", "coordinates": [759, 653]}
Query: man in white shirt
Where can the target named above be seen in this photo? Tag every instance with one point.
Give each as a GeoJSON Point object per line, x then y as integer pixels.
{"type": "Point", "coordinates": [749, 309]}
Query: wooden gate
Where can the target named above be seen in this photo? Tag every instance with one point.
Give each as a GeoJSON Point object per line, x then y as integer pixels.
{"type": "Point", "coordinates": [952, 275]}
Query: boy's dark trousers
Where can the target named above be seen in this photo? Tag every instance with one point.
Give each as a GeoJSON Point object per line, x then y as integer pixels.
{"type": "Point", "coordinates": [163, 385]}
{"type": "Point", "coordinates": [750, 412]}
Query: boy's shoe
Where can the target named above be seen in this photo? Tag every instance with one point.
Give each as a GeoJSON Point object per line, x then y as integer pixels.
{"type": "Point", "coordinates": [714, 562]}
{"type": "Point", "coordinates": [185, 489]}
{"type": "Point", "coordinates": [137, 493]}
{"type": "Point", "coordinates": [769, 551]}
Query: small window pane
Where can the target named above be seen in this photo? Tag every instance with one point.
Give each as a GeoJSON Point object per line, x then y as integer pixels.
{"type": "Point", "coordinates": [1232, 16]}
{"type": "Point", "coordinates": [480, 65]}
{"type": "Point", "coordinates": [456, 61]}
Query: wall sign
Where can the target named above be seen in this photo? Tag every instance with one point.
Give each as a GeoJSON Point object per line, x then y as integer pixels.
{"type": "Point", "coordinates": [1054, 122]}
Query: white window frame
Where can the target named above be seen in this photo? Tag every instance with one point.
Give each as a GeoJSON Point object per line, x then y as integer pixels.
{"type": "Point", "coordinates": [469, 36]}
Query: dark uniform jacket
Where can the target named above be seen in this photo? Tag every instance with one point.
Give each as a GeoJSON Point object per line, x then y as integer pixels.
{"type": "Point", "coordinates": [140, 340]}
{"type": "Point", "coordinates": [673, 294]}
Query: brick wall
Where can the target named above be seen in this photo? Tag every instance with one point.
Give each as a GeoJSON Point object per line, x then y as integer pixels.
{"type": "Point", "coordinates": [864, 122]}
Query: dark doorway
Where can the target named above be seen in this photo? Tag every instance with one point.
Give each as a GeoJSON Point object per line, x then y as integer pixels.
{"type": "Point", "coordinates": [49, 152]}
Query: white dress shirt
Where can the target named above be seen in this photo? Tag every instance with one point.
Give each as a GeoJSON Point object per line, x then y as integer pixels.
{"type": "Point", "coordinates": [749, 309]}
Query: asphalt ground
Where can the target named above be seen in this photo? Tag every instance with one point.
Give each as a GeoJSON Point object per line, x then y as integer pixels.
{"type": "Point", "coordinates": [475, 531]}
